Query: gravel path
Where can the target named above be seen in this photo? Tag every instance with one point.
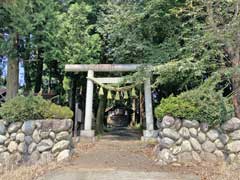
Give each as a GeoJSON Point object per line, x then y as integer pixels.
{"type": "Point", "coordinates": [114, 157]}
{"type": "Point", "coordinates": [115, 175]}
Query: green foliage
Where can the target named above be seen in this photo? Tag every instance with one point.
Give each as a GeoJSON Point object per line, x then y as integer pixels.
{"type": "Point", "coordinates": [205, 104]}
{"type": "Point", "coordinates": [186, 41]}
{"type": "Point", "coordinates": [50, 32]}
{"type": "Point", "coordinates": [177, 107]}
{"type": "Point", "coordinates": [32, 107]}
{"type": "Point", "coordinates": [66, 83]}
{"type": "Point", "coordinates": [14, 20]}
{"type": "Point", "coordinates": [59, 112]}
{"type": "Point", "coordinates": [180, 74]}
{"type": "Point", "coordinates": [76, 42]}
{"type": "Point", "coordinates": [133, 32]}
{"type": "Point", "coordinates": [116, 24]}
{"type": "Point", "coordinates": [168, 34]}
{"type": "Point", "coordinates": [24, 108]}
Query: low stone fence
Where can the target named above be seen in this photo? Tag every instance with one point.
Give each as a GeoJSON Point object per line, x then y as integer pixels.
{"type": "Point", "coordinates": [184, 140]}
{"type": "Point", "coordinates": [36, 141]}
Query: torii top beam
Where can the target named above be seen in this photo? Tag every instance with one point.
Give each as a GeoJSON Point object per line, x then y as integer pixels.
{"type": "Point", "coordinates": [101, 67]}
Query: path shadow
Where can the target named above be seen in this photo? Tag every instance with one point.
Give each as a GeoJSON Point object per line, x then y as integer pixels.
{"type": "Point", "coordinates": [123, 133]}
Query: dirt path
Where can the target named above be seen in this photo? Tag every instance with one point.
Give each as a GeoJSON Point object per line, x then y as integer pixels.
{"type": "Point", "coordinates": [115, 156]}
{"type": "Point", "coordinates": [110, 154]}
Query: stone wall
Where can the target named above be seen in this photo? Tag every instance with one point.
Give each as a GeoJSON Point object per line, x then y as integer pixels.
{"type": "Point", "coordinates": [37, 141]}
{"type": "Point", "coordinates": [184, 140]}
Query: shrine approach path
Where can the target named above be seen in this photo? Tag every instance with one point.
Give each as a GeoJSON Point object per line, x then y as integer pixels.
{"type": "Point", "coordinates": [119, 155]}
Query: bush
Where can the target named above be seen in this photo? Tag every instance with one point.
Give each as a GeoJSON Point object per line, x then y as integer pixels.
{"type": "Point", "coordinates": [32, 107]}
{"type": "Point", "coordinates": [205, 104]}
{"type": "Point", "coordinates": [177, 107]}
{"type": "Point", "coordinates": [59, 112]}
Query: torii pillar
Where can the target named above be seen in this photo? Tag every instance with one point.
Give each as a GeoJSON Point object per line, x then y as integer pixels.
{"type": "Point", "coordinates": [88, 132]}
{"type": "Point", "coordinates": [149, 133]}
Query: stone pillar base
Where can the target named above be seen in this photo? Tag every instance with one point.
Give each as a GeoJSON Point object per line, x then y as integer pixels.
{"type": "Point", "coordinates": [150, 135]}
{"type": "Point", "coordinates": [87, 133]}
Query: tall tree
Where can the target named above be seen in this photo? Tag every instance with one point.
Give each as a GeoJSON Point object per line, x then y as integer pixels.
{"type": "Point", "coordinates": [223, 20]}
{"type": "Point", "coordinates": [43, 18]}
{"type": "Point", "coordinates": [140, 31]}
{"type": "Point", "coordinates": [76, 39]}
{"type": "Point", "coordinates": [15, 27]}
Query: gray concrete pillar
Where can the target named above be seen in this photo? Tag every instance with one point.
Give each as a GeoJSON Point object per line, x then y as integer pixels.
{"type": "Point", "coordinates": [148, 104]}
{"type": "Point", "coordinates": [149, 133]}
{"type": "Point", "coordinates": [88, 132]}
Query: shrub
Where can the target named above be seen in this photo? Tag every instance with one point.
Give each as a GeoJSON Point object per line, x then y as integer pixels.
{"type": "Point", "coordinates": [59, 112]}
{"type": "Point", "coordinates": [205, 104]}
{"type": "Point", "coordinates": [32, 107]}
{"type": "Point", "coordinates": [177, 107]}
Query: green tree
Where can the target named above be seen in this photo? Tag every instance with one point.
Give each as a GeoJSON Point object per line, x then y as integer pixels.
{"type": "Point", "coordinates": [73, 41]}
{"type": "Point", "coordinates": [223, 25]}
{"type": "Point", "coordinates": [15, 26]}
{"type": "Point", "coordinates": [75, 38]}
{"type": "Point", "coordinates": [140, 31]}
{"type": "Point", "coordinates": [43, 19]}
{"type": "Point", "coordinates": [117, 26]}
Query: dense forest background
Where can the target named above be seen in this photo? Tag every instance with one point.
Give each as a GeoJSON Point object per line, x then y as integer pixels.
{"type": "Point", "coordinates": [192, 45]}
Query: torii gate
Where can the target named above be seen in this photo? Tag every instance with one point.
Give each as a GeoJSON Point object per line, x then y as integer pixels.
{"type": "Point", "coordinates": [149, 133]}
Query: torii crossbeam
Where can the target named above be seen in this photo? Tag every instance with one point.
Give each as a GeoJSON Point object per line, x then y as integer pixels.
{"type": "Point", "coordinates": [91, 68]}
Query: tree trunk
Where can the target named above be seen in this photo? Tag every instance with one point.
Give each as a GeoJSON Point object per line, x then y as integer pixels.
{"type": "Point", "coordinates": [27, 65]}
{"type": "Point", "coordinates": [27, 77]}
{"type": "Point", "coordinates": [73, 92]}
{"type": "Point", "coordinates": [133, 119]}
{"type": "Point", "coordinates": [12, 78]}
{"type": "Point", "coordinates": [141, 107]}
{"type": "Point", "coordinates": [236, 84]}
{"type": "Point", "coordinates": [100, 114]}
{"type": "Point", "coordinates": [39, 72]}
{"type": "Point", "coordinates": [13, 72]}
